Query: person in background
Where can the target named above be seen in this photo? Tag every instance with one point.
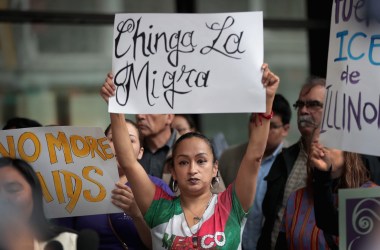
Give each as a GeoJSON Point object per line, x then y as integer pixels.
{"type": "Point", "coordinates": [219, 143]}
{"type": "Point", "coordinates": [158, 139]}
{"type": "Point", "coordinates": [183, 123]}
{"type": "Point", "coordinates": [196, 218]}
{"type": "Point", "coordinates": [279, 128]}
{"type": "Point", "coordinates": [23, 224]}
{"type": "Point", "coordinates": [126, 230]}
{"type": "Point", "coordinates": [21, 122]}
{"type": "Point", "coordinates": [288, 172]}
{"type": "Point", "coordinates": [311, 216]}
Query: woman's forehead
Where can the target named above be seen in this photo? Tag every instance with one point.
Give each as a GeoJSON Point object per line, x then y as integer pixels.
{"type": "Point", "coordinates": [9, 172]}
{"type": "Point", "coordinates": [132, 129]}
{"type": "Point", "coordinates": [194, 144]}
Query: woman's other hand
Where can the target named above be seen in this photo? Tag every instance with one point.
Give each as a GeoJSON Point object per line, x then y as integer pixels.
{"type": "Point", "coordinates": [108, 88]}
{"type": "Point", "coordinates": [123, 198]}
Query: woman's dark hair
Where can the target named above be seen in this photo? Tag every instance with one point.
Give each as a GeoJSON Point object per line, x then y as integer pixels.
{"type": "Point", "coordinates": [21, 122]}
{"type": "Point", "coordinates": [281, 107]}
{"type": "Point", "coordinates": [189, 119]}
{"type": "Point", "coordinates": [354, 174]}
{"type": "Point", "coordinates": [130, 122]}
{"type": "Point", "coordinates": [42, 227]}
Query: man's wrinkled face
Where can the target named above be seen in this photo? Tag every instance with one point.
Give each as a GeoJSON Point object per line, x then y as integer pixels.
{"type": "Point", "coordinates": [309, 109]}
{"type": "Point", "coordinates": [150, 125]}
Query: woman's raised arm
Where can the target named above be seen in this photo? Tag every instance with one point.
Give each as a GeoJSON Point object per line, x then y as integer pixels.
{"type": "Point", "coordinates": [142, 187]}
{"type": "Point", "coordinates": [245, 184]}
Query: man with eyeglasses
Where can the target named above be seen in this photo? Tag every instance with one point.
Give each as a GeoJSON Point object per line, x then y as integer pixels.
{"type": "Point", "coordinates": [288, 172]}
{"type": "Point", "coordinates": [279, 128]}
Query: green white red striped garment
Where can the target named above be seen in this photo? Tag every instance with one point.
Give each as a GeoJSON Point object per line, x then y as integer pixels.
{"type": "Point", "coordinates": [221, 226]}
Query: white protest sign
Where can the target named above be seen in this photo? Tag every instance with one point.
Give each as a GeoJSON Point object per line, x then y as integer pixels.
{"type": "Point", "coordinates": [75, 165]}
{"type": "Point", "coordinates": [188, 63]}
{"type": "Point", "coordinates": [351, 117]}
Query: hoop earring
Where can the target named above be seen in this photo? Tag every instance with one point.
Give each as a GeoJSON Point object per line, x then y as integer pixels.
{"type": "Point", "coordinates": [215, 180]}
{"type": "Point", "coordinates": [174, 186]}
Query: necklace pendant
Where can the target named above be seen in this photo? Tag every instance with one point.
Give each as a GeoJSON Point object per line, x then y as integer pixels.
{"type": "Point", "coordinates": [195, 241]}
{"type": "Point", "coordinates": [197, 218]}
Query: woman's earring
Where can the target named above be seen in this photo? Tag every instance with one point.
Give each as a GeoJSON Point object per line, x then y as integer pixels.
{"type": "Point", "coordinates": [174, 186]}
{"type": "Point", "coordinates": [215, 180]}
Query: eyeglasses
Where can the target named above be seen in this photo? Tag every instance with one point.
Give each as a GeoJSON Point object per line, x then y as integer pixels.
{"type": "Point", "coordinates": [310, 104]}
{"type": "Point", "coordinates": [273, 125]}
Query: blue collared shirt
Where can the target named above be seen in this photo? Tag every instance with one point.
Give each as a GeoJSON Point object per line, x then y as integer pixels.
{"type": "Point", "coordinates": [252, 229]}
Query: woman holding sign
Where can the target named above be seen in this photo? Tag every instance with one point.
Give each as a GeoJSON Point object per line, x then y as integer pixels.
{"type": "Point", "coordinates": [196, 219]}
{"type": "Point", "coordinates": [126, 230]}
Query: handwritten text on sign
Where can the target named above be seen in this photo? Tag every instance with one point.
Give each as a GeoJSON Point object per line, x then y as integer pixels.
{"type": "Point", "coordinates": [188, 63]}
{"type": "Point", "coordinates": [351, 119]}
{"type": "Point", "coordinates": [76, 167]}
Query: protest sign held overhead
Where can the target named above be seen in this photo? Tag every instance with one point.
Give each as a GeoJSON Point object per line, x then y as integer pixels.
{"type": "Point", "coordinates": [76, 167]}
{"type": "Point", "coordinates": [188, 63]}
{"type": "Point", "coordinates": [351, 117]}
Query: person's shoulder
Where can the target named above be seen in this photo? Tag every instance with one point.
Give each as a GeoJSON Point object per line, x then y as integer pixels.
{"type": "Point", "coordinates": [156, 180]}
{"type": "Point", "coordinates": [162, 184]}
{"type": "Point", "coordinates": [292, 148]}
{"type": "Point", "coordinates": [369, 184]}
{"type": "Point", "coordinates": [235, 149]}
{"type": "Point", "coordinates": [288, 153]}
{"type": "Point", "coordinates": [285, 152]}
